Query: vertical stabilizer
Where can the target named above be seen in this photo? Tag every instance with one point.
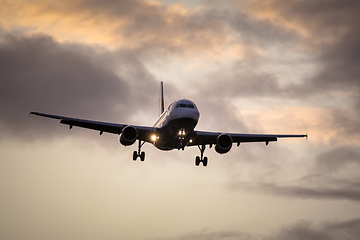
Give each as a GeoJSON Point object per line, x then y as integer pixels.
{"type": "Point", "coordinates": [161, 98]}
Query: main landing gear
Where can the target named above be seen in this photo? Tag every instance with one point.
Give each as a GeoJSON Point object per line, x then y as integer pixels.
{"type": "Point", "coordinates": [202, 159]}
{"type": "Point", "coordinates": [138, 153]}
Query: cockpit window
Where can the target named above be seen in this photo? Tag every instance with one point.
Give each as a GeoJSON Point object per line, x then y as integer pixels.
{"type": "Point", "coordinates": [183, 105]}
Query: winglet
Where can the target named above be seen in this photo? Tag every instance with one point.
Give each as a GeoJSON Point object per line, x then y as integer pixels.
{"type": "Point", "coordinates": [32, 113]}
{"type": "Point", "coordinates": [161, 98]}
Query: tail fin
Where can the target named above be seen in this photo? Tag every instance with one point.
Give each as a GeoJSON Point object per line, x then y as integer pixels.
{"type": "Point", "coordinates": [161, 98]}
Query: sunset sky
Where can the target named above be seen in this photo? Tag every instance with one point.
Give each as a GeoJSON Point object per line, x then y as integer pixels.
{"type": "Point", "coordinates": [252, 66]}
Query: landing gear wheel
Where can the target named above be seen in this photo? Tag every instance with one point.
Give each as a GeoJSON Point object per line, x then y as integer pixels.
{"type": "Point", "coordinates": [138, 153]}
{"type": "Point", "coordinates": [202, 159]}
{"type": "Point", "coordinates": [142, 156]}
{"type": "Point", "coordinates": [197, 160]}
{"type": "Point", "coordinates": [205, 161]}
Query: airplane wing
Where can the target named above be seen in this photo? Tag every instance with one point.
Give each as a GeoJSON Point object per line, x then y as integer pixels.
{"type": "Point", "coordinates": [205, 138]}
{"type": "Point", "coordinates": [144, 133]}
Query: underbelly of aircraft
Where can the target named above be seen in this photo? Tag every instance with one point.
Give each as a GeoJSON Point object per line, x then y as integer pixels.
{"type": "Point", "coordinates": [169, 137]}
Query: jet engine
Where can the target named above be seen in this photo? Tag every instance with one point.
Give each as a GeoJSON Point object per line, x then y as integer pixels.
{"type": "Point", "coordinates": [128, 135]}
{"type": "Point", "coordinates": [223, 143]}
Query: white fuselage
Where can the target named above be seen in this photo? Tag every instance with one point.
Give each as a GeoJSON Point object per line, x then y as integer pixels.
{"type": "Point", "coordinates": [176, 124]}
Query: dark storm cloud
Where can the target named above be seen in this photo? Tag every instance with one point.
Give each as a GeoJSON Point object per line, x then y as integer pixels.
{"type": "Point", "coordinates": [39, 74]}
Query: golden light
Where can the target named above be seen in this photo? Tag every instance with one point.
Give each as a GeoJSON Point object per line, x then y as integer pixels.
{"type": "Point", "coordinates": [153, 137]}
{"type": "Point", "coordinates": [181, 132]}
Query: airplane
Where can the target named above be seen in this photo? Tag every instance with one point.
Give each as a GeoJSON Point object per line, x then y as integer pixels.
{"type": "Point", "coordinates": [174, 129]}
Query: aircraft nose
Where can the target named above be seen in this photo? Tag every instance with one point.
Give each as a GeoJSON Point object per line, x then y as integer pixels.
{"type": "Point", "coordinates": [187, 113]}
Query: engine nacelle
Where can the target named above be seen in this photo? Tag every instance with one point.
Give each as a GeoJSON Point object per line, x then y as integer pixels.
{"type": "Point", "coordinates": [128, 135]}
{"type": "Point", "coordinates": [223, 143]}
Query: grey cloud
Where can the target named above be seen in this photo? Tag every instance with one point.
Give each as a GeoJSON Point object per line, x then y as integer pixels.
{"type": "Point", "coordinates": [335, 25]}
{"type": "Point", "coordinates": [248, 28]}
{"type": "Point", "coordinates": [258, 32]}
{"type": "Point", "coordinates": [323, 180]}
{"type": "Point", "coordinates": [39, 74]}
{"type": "Point", "coordinates": [149, 27]}
{"type": "Point", "coordinates": [321, 18]}
{"type": "Point", "coordinates": [326, 16]}
{"type": "Point", "coordinates": [302, 230]}
{"type": "Point", "coordinates": [214, 235]}
{"type": "Point", "coordinates": [225, 235]}
{"type": "Point", "coordinates": [340, 65]}
{"type": "Point", "coordinates": [320, 187]}
{"type": "Point", "coordinates": [343, 192]}
{"type": "Point", "coordinates": [224, 119]}
{"type": "Point", "coordinates": [340, 74]}
{"type": "Point", "coordinates": [349, 229]}
{"type": "Point", "coordinates": [154, 27]}
{"type": "Point", "coordinates": [346, 122]}
{"type": "Point", "coordinates": [243, 83]}
{"type": "Point", "coordinates": [337, 60]}
{"type": "Point", "coordinates": [338, 158]}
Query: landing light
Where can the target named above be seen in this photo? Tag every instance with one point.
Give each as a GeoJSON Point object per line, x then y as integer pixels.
{"type": "Point", "coordinates": [182, 132]}
{"type": "Point", "coordinates": [153, 137]}
{"type": "Point", "coordinates": [190, 141]}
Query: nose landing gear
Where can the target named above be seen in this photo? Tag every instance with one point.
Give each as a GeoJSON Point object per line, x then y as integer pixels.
{"type": "Point", "coordinates": [202, 159]}
{"type": "Point", "coordinates": [181, 145]}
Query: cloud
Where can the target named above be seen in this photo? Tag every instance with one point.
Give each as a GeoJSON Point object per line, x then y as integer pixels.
{"type": "Point", "coordinates": [148, 26]}
{"type": "Point", "coordinates": [332, 27]}
{"type": "Point", "coordinates": [221, 235]}
{"type": "Point", "coordinates": [333, 176]}
{"type": "Point", "coordinates": [331, 230]}
{"type": "Point", "coordinates": [338, 158]}
{"type": "Point", "coordinates": [334, 31]}
{"type": "Point", "coordinates": [40, 74]}
{"type": "Point", "coordinates": [312, 18]}
{"type": "Point", "coordinates": [348, 229]}
{"type": "Point", "coordinates": [328, 52]}
{"type": "Point", "coordinates": [346, 191]}
{"type": "Point", "coordinates": [257, 31]}
{"type": "Point", "coordinates": [243, 83]}
{"type": "Point", "coordinates": [124, 24]}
